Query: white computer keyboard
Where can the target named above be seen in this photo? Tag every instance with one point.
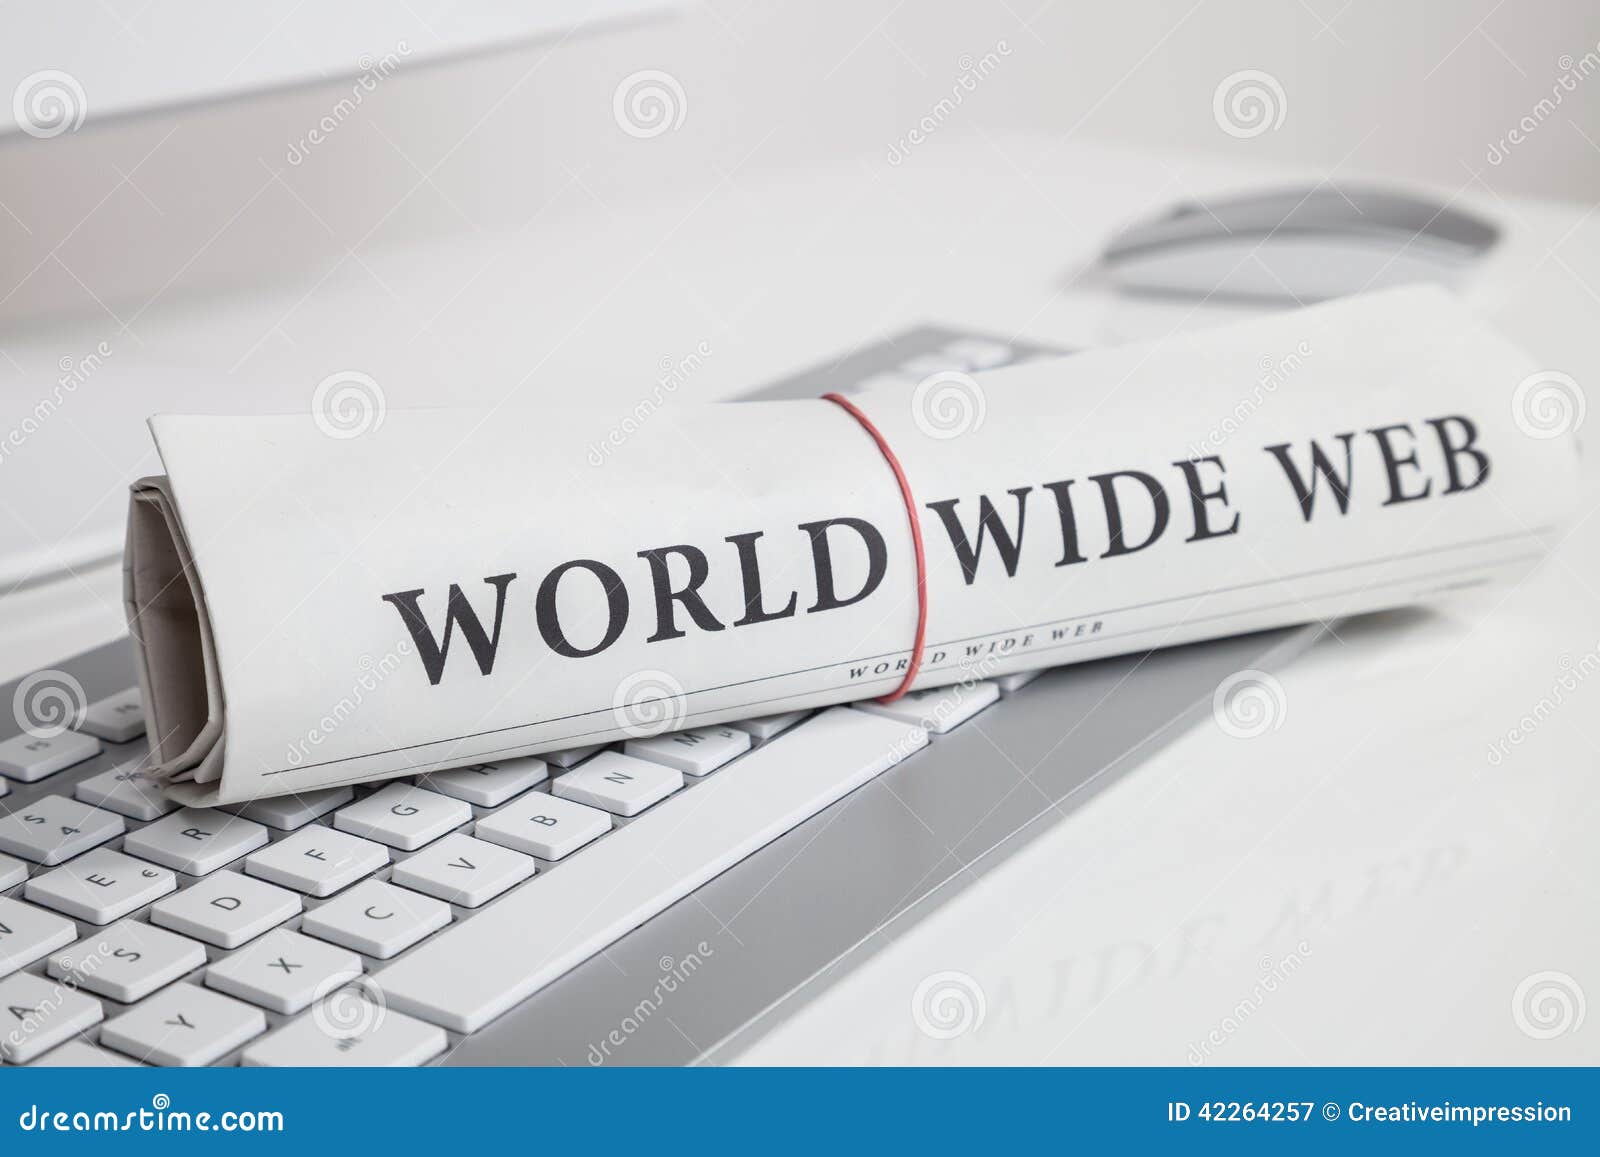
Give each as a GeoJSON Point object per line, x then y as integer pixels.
{"type": "Point", "coordinates": [373, 925]}
{"type": "Point", "coordinates": [357, 926]}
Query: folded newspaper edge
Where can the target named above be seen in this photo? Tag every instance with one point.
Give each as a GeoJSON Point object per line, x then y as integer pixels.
{"type": "Point", "coordinates": [314, 605]}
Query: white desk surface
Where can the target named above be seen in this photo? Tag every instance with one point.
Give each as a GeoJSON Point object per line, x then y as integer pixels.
{"type": "Point", "coordinates": [1415, 885]}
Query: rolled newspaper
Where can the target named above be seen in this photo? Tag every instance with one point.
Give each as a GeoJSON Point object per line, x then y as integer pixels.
{"type": "Point", "coordinates": [448, 587]}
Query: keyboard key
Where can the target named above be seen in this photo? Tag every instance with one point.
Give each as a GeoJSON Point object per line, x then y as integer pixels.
{"type": "Point", "coordinates": [350, 1030]}
{"type": "Point", "coordinates": [543, 826]}
{"type": "Point", "coordinates": [283, 971]}
{"type": "Point", "coordinates": [27, 758]}
{"type": "Point", "coordinates": [765, 727]}
{"type": "Point", "coordinates": [28, 934]}
{"type": "Point", "coordinates": [289, 812]}
{"type": "Point", "coordinates": [116, 718]}
{"type": "Point", "coordinates": [226, 909]}
{"type": "Point", "coordinates": [12, 872]}
{"type": "Point", "coordinates": [101, 886]}
{"type": "Point", "coordinates": [128, 961]}
{"type": "Point", "coordinates": [466, 976]}
{"type": "Point", "coordinates": [56, 828]}
{"type": "Point", "coordinates": [695, 752]}
{"type": "Point", "coordinates": [318, 860]}
{"type": "Point", "coordinates": [1015, 681]}
{"type": "Point", "coordinates": [79, 1054]}
{"type": "Point", "coordinates": [37, 1014]}
{"type": "Point", "coordinates": [127, 790]}
{"type": "Point", "coordinates": [403, 817]}
{"type": "Point", "coordinates": [461, 870]}
{"type": "Point", "coordinates": [376, 919]}
{"type": "Point", "coordinates": [938, 709]}
{"type": "Point", "coordinates": [488, 784]}
{"type": "Point", "coordinates": [185, 1025]}
{"type": "Point", "coordinates": [571, 756]}
{"type": "Point", "coordinates": [196, 840]}
{"type": "Point", "coordinates": [618, 783]}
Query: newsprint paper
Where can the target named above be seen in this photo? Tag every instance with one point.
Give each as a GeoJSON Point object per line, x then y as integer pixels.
{"type": "Point", "coordinates": [452, 586]}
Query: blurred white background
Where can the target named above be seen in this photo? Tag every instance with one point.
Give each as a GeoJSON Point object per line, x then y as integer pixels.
{"type": "Point", "coordinates": [124, 214]}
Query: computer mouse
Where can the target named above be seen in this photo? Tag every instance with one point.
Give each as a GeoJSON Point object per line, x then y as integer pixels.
{"type": "Point", "coordinates": [1298, 244]}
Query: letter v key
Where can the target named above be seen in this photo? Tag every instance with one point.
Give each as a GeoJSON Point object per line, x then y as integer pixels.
{"type": "Point", "coordinates": [461, 869]}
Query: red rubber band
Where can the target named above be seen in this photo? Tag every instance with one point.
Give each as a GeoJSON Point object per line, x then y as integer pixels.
{"type": "Point", "coordinates": [854, 411]}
